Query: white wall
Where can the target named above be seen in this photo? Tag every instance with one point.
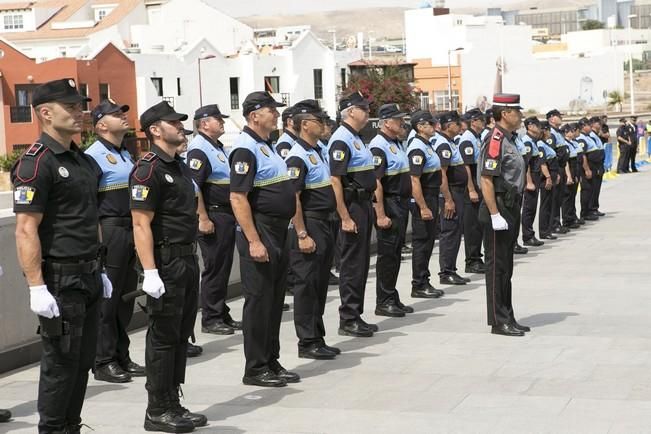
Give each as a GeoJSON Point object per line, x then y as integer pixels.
{"type": "Point", "coordinates": [602, 40]}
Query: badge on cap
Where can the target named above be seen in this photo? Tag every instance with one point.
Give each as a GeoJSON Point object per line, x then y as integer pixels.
{"type": "Point", "coordinates": [139, 193]}
{"type": "Point", "coordinates": [469, 150]}
{"type": "Point", "coordinates": [63, 172]}
{"type": "Point", "coordinates": [24, 195]}
{"type": "Point", "coordinates": [377, 160]}
{"type": "Point", "coordinates": [264, 150]}
{"type": "Point", "coordinates": [490, 164]}
{"type": "Point", "coordinates": [169, 178]}
{"type": "Point", "coordinates": [312, 159]}
{"type": "Point", "coordinates": [393, 149]}
{"type": "Point", "coordinates": [417, 160]}
{"type": "Point", "coordinates": [338, 155]}
{"type": "Point", "coordinates": [111, 159]}
{"type": "Point", "coordinates": [71, 82]}
{"type": "Point", "coordinates": [293, 172]}
{"type": "Point", "coordinates": [357, 145]}
{"type": "Point", "coordinates": [446, 153]}
{"type": "Point", "coordinates": [241, 167]}
{"type": "Point", "coordinates": [195, 164]}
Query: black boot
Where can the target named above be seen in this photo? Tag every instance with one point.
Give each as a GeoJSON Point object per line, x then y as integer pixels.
{"type": "Point", "coordinates": [196, 418]}
{"type": "Point", "coordinates": [161, 416]}
{"type": "Point", "coordinates": [5, 415]}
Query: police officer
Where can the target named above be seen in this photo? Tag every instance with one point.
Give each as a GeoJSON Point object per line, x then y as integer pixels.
{"type": "Point", "coordinates": [164, 211]}
{"type": "Point", "coordinates": [536, 167]}
{"type": "Point", "coordinates": [113, 164]}
{"type": "Point", "coordinates": [600, 140]}
{"type": "Point", "coordinates": [263, 202]}
{"type": "Point", "coordinates": [545, 216]}
{"type": "Point", "coordinates": [635, 141]}
{"type": "Point", "coordinates": [568, 206]}
{"type": "Point", "coordinates": [312, 240]}
{"type": "Point", "coordinates": [522, 149]}
{"type": "Point", "coordinates": [208, 161]}
{"type": "Point", "coordinates": [425, 173]}
{"type": "Point", "coordinates": [392, 194]}
{"type": "Point", "coordinates": [502, 173]}
{"type": "Point", "coordinates": [353, 180]}
{"type": "Point", "coordinates": [561, 148]}
{"type": "Point", "coordinates": [489, 123]}
{"type": "Point", "coordinates": [454, 183]}
{"type": "Point", "coordinates": [288, 137]}
{"type": "Point", "coordinates": [624, 142]}
{"type": "Point", "coordinates": [55, 201]}
{"type": "Point", "coordinates": [589, 167]}
{"type": "Point", "coordinates": [469, 146]}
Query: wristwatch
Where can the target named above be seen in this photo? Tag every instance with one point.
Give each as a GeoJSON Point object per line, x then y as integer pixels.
{"type": "Point", "coordinates": [301, 235]}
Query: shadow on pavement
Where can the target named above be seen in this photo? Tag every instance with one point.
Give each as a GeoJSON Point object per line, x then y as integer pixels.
{"type": "Point", "coordinates": [543, 319]}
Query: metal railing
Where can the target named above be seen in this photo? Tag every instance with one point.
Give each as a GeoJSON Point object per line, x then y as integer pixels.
{"type": "Point", "coordinates": [20, 114]}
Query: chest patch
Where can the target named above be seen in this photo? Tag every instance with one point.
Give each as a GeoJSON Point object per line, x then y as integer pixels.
{"type": "Point", "coordinates": [169, 178]}
{"type": "Point", "coordinates": [264, 150]}
{"type": "Point", "coordinates": [357, 145]}
{"type": "Point", "coordinates": [312, 159]}
{"type": "Point", "coordinates": [393, 149]}
{"type": "Point", "coordinates": [221, 157]}
{"type": "Point", "coordinates": [63, 172]}
{"type": "Point", "coordinates": [111, 159]}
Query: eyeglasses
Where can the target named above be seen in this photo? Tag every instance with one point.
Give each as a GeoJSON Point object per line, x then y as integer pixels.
{"type": "Point", "coordinates": [318, 121]}
{"type": "Point", "coordinates": [364, 109]}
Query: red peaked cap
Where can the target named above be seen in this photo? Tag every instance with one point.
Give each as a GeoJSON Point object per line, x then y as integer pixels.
{"type": "Point", "coordinates": [507, 100]}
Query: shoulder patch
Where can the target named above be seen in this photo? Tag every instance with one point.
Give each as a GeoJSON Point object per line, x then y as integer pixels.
{"type": "Point", "coordinates": [195, 164]}
{"type": "Point", "coordinates": [446, 154]}
{"type": "Point", "coordinates": [417, 160]}
{"type": "Point", "coordinates": [338, 155]}
{"type": "Point", "coordinates": [495, 143]}
{"type": "Point", "coordinates": [149, 156]}
{"type": "Point", "coordinates": [283, 152]}
{"type": "Point", "coordinates": [241, 167]}
{"type": "Point", "coordinates": [24, 195]}
{"type": "Point", "coordinates": [490, 164]}
{"type": "Point", "coordinates": [139, 193]}
{"type": "Point", "coordinates": [27, 166]}
{"type": "Point", "coordinates": [469, 150]}
{"type": "Point", "coordinates": [377, 160]}
{"type": "Point", "coordinates": [144, 168]}
{"type": "Point", "coordinates": [293, 172]}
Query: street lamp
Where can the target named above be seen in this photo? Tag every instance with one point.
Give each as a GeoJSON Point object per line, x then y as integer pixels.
{"type": "Point", "coordinates": [202, 56]}
{"type": "Point", "coordinates": [334, 38]}
{"type": "Point", "coordinates": [450, 77]}
{"type": "Point", "coordinates": [630, 63]}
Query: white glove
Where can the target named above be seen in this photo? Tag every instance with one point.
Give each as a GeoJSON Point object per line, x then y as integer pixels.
{"type": "Point", "coordinates": [42, 303]}
{"type": "Point", "coordinates": [152, 284]}
{"type": "Point", "coordinates": [108, 286]}
{"type": "Point", "coordinates": [499, 224]}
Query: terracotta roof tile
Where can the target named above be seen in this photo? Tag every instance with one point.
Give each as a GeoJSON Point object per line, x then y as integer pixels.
{"type": "Point", "coordinates": [15, 6]}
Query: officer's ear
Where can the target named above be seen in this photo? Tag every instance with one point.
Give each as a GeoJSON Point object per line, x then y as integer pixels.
{"type": "Point", "coordinates": [44, 112]}
{"type": "Point", "coordinates": [155, 130]}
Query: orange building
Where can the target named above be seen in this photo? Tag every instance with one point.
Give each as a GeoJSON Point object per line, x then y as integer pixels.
{"type": "Point", "coordinates": [432, 82]}
{"type": "Point", "coordinates": [108, 74]}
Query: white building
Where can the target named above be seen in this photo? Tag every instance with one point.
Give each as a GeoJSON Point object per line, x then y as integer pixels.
{"type": "Point", "coordinates": [557, 79]}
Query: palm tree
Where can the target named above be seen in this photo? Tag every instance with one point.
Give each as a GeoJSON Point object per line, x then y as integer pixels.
{"type": "Point", "coordinates": [615, 99]}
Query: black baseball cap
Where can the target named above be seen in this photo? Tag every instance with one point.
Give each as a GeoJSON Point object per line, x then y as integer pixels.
{"type": "Point", "coordinates": [287, 113]}
{"type": "Point", "coordinates": [309, 106]}
{"type": "Point", "coordinates": [544, 125]}
{"type": "Point", "coordinates": [622, 119]}
{"type": "Point", "coordinates": [421, 116]}
{"type": "Point", "coordinates": [187, 132]}
{"type": "Point", "coordinates": [354, 99]}
{"type": "Point", "coordinates": [257, 100]}
{"type": "Point", "coordinates": [207, 111]}
{"type": "Point", "coordinates": [554, 112]}
{"type": "Point", "coordinates": [473, 114]}
{"type": "Point", "coordinates": [488, 114]}
{"type": "Point", "coordinates": [532, 120]}
{"type": "Point", "coordinates": [566, 128]}
{"type": "Point", "coordinates": [63, 90]}
{"type": "Point", "coordinates": [583, 122]}
{"type": "Point", "coordinates": [107, 107]}
{"type": "Point", "coordinates": [390, 111]}
{"type": "Point", "coordinates": [449, 116]}
{"type": "Point", "coordinates": [595, 119]}
{"type": "Point", "coordinates": [162, 111]}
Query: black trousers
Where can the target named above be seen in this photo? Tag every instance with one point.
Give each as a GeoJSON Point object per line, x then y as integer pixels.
{"type": "Point", "coordinates": [263, 285]}
{"type": "Point", "coordinates": [217, 250]}
{"type": "Point", "coordinates": [558, 193]}
{"type": "Point", "coordinates": [335, 221]}
{"type": "Point", "coordinates": [598, 175]}
{"type": "Point", "coordinates": [498, 247]}
{"type": "Point", "coordinates": [69, 343]}
{"type": "Point", "coordinates": [529, 207]}
{"type": "Point", "coordinates": [171, 322]}
{"type": "Point", "coordinates": [423, 234]}
{"type": "Point", "coordinates": [545, 222]}
{"type": "Point", "coordinates": [355, 261]}
{"type": "Point", "coordinates": [472, 236]}
{"type": "Point", "coordinates": [631, 155]}
{"type": "Point", "coordinates": [587, 191]}
{"type": "Point", "coordinates": [568, 206]}
{"type": "Point", "coordinates": [624, 157]}
{"type": "Point", "coordinates": [389, 246]}
{"type": "Point", "coordinates": [113, 339]}
{"type": "Point", "coordinates": [451, 232]}
{"type": "Point", "coordinates": [311, 273]}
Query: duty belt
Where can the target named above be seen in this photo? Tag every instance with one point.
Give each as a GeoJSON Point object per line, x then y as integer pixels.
{"type": "Point", "coordinates": [124, 222]}
{"type": "Point", "coordinates": [270, 220]}
{"type": "Point", "coordinates": [357, 195]}
{"type": "Point", "coordinates": [221, 208]}
{"type": "Point", "coordinates": [457, 188]}
{"type": "Point", "coordinates": [318, 215]}
{"type": "Point", "coordinates": [70, 268]}
{"type": "Point", "coordinates": [176, 250]}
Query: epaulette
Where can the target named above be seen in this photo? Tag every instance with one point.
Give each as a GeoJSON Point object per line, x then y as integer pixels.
{"type": "Point", "coordinates": [26, 169]}
{"type": "Point", "coordinates": [495, 143]}
{"type": "Point", "coordinates": [145, 167]}
{"type": "Point", "coordinates": [149, 157]}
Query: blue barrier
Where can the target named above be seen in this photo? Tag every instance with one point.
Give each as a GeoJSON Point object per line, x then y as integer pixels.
{"type": "Point", "coordinates": [608, 162]}
{"type": "Point", "coordinates": [648, 146]}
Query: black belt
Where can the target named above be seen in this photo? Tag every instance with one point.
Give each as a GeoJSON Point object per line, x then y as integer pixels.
{"type": "Point", "coordinates": [70, 268]}
{"type": "Point", "coordinates": [124, 222]}
{"type": "Point", "coordinates": [269, 220]}
{"type": "Point", "coordinates": [318, 215]}
{"type": "Point", "coordinates": [176, 250]}
{"type": "Point", "coordinates": [221, 208]}
{"type": "Point", "coordinates": [457, 188]}
{"type": "Point", "coordinates": [431, 191]}
{"type": "Point", "coordinates": [357, 195]}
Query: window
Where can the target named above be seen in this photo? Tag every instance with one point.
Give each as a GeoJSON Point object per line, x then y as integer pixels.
{"type": "Point", "coordinates": [158, 85]}
{"type": "Point", "coordinates": [62, 52]}
{"type": "Point", "coordinates": [342, 73]}
{"type": "Point", "coordinates": [235, 93]}
{"type": "Point", "coordinates": [423, 99]}
{"type": "Point", "coordinates": [153, 14]}
{"type": "Point", "coordinates": [104, 91]}
{"type": "Point", "coordinates": [178, 86]}
{"type": "Point", "coordinates": [441, 100]}
{"type": "Point", "coordinates": [24, 94]}
{"type": "Point", "coordinates": [318, 83]}
{"type": "Point", "coordinates": [272, 84]}
{"type": "Point", "coordinates": [100, 14]}
{"type": "Point", "coordinates": [13, 22]}
{"type": "Point", "coordinates": [83, 91]}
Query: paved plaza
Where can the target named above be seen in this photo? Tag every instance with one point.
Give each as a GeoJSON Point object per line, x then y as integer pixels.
{"type": "Point", "coordinates": [585, 366]}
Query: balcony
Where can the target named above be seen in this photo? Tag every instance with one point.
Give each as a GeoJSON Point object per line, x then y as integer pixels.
{"type": "Point", "coordinates": [20, 114]}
